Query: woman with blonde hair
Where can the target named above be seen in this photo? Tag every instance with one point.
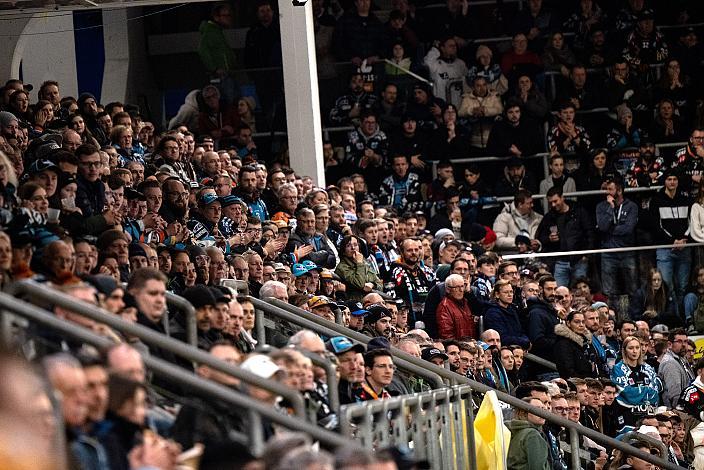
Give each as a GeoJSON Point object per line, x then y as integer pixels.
{"type": "Point", "coordinates": [637, 383]}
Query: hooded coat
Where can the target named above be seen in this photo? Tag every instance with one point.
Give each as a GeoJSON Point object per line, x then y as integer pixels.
{"type": "Point", "coordinates": [572, 353]}
{"type": "Point", "coordinates": [528, 449]}
{"type": "Point", "coordinates": [510, 222]}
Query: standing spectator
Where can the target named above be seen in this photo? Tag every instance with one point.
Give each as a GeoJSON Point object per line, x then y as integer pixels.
{"type": "Point", "coordinates": [690, 162]}
{"type": "Point", "coordinates": [528, 448]}
{"type": "Point", "coordinates": [349, 107]}
{"type": "Point", "coordinates": [566, 227]}
{"type": "Point", "coordinates": [262, 49]}
{"type": "Point", "coordinates": [674, 372]}
{"type": "Point", "coordinates": [637, 384]}
{"type": "Point", "coordinates": [582, 22]}
{"type": "Point", "coordinates": [447, 72]}
{"type": "Point", "coordinates": [454, 316]}
{"type": "Point", "coordinates": [411, 279]}
{"type": "Point", "coordinates": [515, 178]}
{"type": "Point", "coordinates": [481, 106]}
{"type": "Point", "coordinates": [215, 52]}
{"type": "Point", "coordinates": [557, 177]}
{"type": "Point", "coordinates": [542, 319]}
{"type": "Point", "coordinates": [616, 220]}
{"type": "Point", "coordinates": [389, 110]}
{"type": "Point", "coordinates": [501, 315]}
{"type": "Point", "coordinates": [574, 349]}
{"type": "Point", "coordinates": [654, 302]}
{"type": "Point", "coordinates": [354, 270]}
{"type": "Point", "coordinates": [359, 35]}
{"type": "Point", "coordinates": [669, 209]}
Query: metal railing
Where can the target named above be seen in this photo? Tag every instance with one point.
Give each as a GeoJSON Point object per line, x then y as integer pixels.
{"type": "Point", "coordinates": [327, 328]}
{"type": "Point", "coordinates": [255, 409]}
{"type": "Point", "coordinates": [151, 338]}
{"type": "Point", "coordinates": [439, 425]}
{"type": "Point", "coordinates": [189, 314]}
{"type": "Point", "coordinates": [625, 249]}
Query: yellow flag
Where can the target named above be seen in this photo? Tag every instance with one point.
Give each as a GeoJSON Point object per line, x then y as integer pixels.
{"type": "Point", "coordinates": [491, 437]}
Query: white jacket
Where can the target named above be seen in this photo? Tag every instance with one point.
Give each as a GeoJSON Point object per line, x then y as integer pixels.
{"type": "Point", "coordinates": [696, 222]}
{"type": "Point", "coordinates": [443, 74]}
{"type": "Point", "coordinates": [510, 222]}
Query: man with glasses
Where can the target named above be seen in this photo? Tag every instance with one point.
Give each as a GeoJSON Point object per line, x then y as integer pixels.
{"type": "Point", "coordinates": [674, 372]}
{"type": "Point", "coordinates": [90, 194]}
{"type": "Point", "coordinates": [379, 371]}
{"type": "Point", "coordinates": [690, 161]}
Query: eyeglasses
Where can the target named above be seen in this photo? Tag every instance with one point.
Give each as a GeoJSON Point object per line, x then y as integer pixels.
{"type": "Point", "coordinates": [385, 366]}
{"type": "Point", "coordinates": [91, 164]}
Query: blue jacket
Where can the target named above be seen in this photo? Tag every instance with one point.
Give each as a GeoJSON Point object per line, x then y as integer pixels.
{"type": "Point", "coordinates": [631, 394]}
{"type": "Point", "coordinates": [617, 225]}
{"type": "Point", "coordinates": [506, 322]}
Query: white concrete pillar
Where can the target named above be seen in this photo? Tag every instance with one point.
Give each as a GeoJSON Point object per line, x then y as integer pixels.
{"type": "Point", "coordinates": [305, 138]}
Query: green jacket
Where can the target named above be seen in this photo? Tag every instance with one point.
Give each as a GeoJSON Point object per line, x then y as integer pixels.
{"type": "Point", "coordinates": [355, 275]}
{"type": "Point", "coordinates": [213, 49]}
{"type": "Point", "coordinates": [528, 449]}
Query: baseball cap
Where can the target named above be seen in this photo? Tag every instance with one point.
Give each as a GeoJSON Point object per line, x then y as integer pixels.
{"type": "Point", "coordinates": [261, 365]}
{"type": "Point", "coordinates": [429, 353]}
{"type": "Point", "coordinates": [326, 274]}
{"type": "Point", "coordinates": [299, 270]}
{"type": "Point", "coordinates": [340, 345]}
{"type": "Point", "coordinates": [311, 266]}
{"type": "Point", "coordinates": [279, 267]}
{"type": "Point", "coordinates": [320, 301]}
{"type": "Point", "coordinates": [356, 308]}
{"type": "Point", "coordinates": [208, 198]}
{"type": "Point", "coordinates": [229, 200]}
{"type": "Point", "coordinates": [660, 328]}
{"type": "Point", "coordinates": [281, 224]}
{"type": "Point", "coordinates": [378, 343]}
{"type": "Point", "coordinates": [43, 165]}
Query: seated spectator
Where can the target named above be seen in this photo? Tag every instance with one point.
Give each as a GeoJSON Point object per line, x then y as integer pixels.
{"type": "Point", "coordinates": [534, 103]}
{"type": "Point", "coordinates": [454, 316]}
{"type": "Point", "coordinates": [349, 107]}
{"type": "Point", "coordinates": [582, 23]}
{"type": "Point", "coordinates": [515, 177]}
{"type": "Point", "coordinates": [379, 372]}
{"type": "Point", "coordinates": [447, 72]}
{"type": "Point", "coordinates": [408, 140]}
{"type": "Point", "coordinates": [625, 134]}
{"type": "Point", "coordinates": [451, 139]}
{"type": "Point", "coordinates": [519, 60]}
{"type": "Point", "coordinates": [598, 53]}
{"type": "Point", "coordinates": [654, 302]}
{"type": "Point", "coordinates": [217, 119]}
{"type": "Point", "coordinates": [667, 126]}
{"type": "Point", "coordinates": [518, 217]}
{"type": "Point", "coordinates": [624, 87]}
{"type": "Point", "coordinates": [694, 295]}
{"type": "Point", "coordinates": [480, 106]}
{"type": "Point", "coordinates": [557, 56]}
{"type": "Point", "coordinates": [645, 46]}
{"type": "Point", "coordinates": [514, 134]}
{"type": "Point", "coordinates": [388, 109]}
{"type": "Point", "coordinates": [566, 136]}
{"type": "Point", "coordinates": [486, 68]}
{"type": "Point", "coordinates": [366, 150]}
{"type": "Point", "coordinates": [557, 177]}
{"type": "Point", "coordinates": [401, 190]}
{"type": "Point", "coordinates": [501, 315]}
{"type": "Point", "coordinates": [245, 110]}
{"type": "Point", "coordinates": [581, 90]}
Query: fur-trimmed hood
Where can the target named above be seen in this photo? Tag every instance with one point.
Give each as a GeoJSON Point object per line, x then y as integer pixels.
{"type": "Point", "coordinates": [563, 330]}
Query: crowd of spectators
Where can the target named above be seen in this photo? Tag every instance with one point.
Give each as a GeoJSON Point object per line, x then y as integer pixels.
{"type": "Point", "coordinates": [100, 204]}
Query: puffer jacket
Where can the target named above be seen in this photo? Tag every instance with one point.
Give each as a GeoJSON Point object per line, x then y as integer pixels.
{"type": "Point", "coordinates": [509, 222]}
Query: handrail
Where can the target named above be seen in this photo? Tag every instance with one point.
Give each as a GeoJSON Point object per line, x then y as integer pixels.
{"type": "Point", "coordinates": [383, 408]}
{"type": "Point", "coordinates": [308, 320]}
{"type": "Point", "coordinates": [189, 313]}
{"type": "Point", "coordinates": [589, 192]}
{"type": "Point", "coordinates": [625, 249]}
{"type": "Point", "coordinates": [151, 337]}
{"type": "Point", "coordinates": [540, 361]}
{"type": "Point", "coordinates": [170, 371]}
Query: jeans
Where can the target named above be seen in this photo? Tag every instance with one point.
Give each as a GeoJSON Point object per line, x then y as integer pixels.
{"type": "Point", "coordinates": [674, 266]}
{"type": "Point", "coordinates": [691, 301]}
{"type": "Point", "coordinates": [611, 265]}
{"type": "Point", "coordinates": [566, 271]}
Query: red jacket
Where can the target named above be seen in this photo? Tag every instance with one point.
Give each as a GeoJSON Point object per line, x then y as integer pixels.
{"type": "Point", "coordinates": [455, 319]}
